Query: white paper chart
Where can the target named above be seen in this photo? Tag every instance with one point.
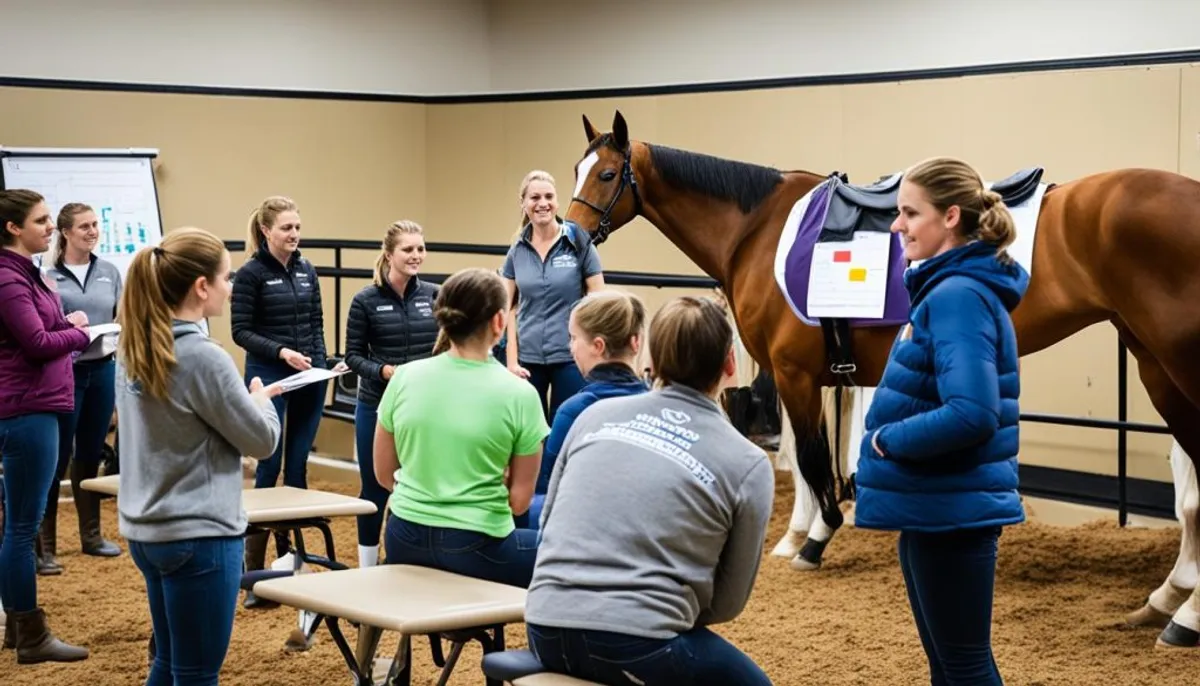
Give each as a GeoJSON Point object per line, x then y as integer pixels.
{"type": "Point", "coordinates": [118, 185]}
{"type": "Point", "coordinates": [849, 279]}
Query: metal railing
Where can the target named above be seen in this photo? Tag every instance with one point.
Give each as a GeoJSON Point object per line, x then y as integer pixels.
{"type": "Point", "coordinates": [1121, 425]}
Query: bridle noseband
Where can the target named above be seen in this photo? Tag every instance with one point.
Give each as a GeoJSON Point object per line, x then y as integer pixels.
{"type": "Point", "coordinates": [627, 179]}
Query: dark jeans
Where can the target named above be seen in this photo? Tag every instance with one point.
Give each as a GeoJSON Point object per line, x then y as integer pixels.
{"type": "Point", "coordinates": [370, 526]}
{"type": "Point", "coordinates": [192, 587]}
{"type": "Point", "coordinates": [506, 560]}
{"type": "Point", "coordinates": [29, 448]}
{"type": "Point", "coordinates": [82, 436]}
{"type": "Point", "coordinates": [554, 383]}
{"type": "Point", "coordinates": [300, 415]}
{"type": "Point", "coordinates": [950, 577]}
{"type": "Point", "coordinates": [698, 657]}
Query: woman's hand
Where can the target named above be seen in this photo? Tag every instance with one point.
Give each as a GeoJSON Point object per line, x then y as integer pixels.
{"type": "Point", "coordinates": [341, 367]}
{"type": "Point", "coordinates": [295, 360]}
{"type": "Point", "coordinates": [263, 394]}
{"type": "Point", "coordinates": [78, 319]}
{"type": "Point", "coordinates": [518, 370]}
{"type": "Point", "coordinates": [387, 372]}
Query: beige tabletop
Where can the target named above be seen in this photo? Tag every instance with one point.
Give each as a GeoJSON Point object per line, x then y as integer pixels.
{"type": "Point", "coordinates": [408, 599]}
{"type": "Point", "coordinates": [282, 503]}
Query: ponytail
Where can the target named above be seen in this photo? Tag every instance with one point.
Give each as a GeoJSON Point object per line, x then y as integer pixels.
{"type": "Point", "coordinates": [146, 345]}
{"type": "Point", "coordinates": [158, 282]}
{"type": "Point", "coordinates": [996, 225]}
{"type": "Point", "coordinates": [263, 218]}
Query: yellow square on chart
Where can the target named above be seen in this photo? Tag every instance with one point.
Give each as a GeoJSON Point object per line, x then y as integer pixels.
{"type": "Point", "coordinates": [858, 274]}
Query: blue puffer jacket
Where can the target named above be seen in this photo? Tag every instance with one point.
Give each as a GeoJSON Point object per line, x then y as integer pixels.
{"type": "Point", "coordinates": [945, 413]}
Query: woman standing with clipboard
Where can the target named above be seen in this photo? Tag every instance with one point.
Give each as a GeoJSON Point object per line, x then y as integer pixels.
{"type": "Point", "coordinates": [277, 318]}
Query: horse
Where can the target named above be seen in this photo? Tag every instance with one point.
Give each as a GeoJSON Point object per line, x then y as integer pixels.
{"type": "Point", "coordinates": [1117, 246]}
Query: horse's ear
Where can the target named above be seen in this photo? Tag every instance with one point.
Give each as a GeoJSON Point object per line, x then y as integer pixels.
{"type": "Point", "coordinates": [620, 131]}
{"type": "Point", "coordinates": [589, 130]}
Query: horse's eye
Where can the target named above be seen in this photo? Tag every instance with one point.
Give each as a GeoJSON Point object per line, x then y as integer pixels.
{"type": "Point", "coordinates": [608, 174]}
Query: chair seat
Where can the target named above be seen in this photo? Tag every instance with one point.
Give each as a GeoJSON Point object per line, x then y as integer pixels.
{"type": "Point", "coordinates": [522, 668]}
{"type": "Point", "coordinates": [511, 664]}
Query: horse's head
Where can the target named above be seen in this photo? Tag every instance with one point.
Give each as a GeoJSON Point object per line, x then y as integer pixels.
{"type": "Point", "coordinates": [606, 195]}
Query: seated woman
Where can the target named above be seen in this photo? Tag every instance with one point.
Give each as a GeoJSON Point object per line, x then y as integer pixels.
{"type": "Point", "coordinates": [606, 329]}
{"type": "Point", "coordinates": [466, 436]}
{"type": "Point", "coordinates": [630, 601]}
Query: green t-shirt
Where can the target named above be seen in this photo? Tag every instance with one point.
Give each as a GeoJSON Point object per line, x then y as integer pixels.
{"type": "Point", "coordinates": [457, 423]}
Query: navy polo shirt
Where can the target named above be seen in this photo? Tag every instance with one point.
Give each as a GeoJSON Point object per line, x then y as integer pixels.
{"type": "Point", "coordinates": [547, 290]}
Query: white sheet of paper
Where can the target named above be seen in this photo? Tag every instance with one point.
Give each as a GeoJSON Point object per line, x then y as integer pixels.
{"type": "Point", "coordinates": [849, 279]}
{"type": "Point", "coordinates": [306, 377]}
{"type": "Point", "coordinates": [97, 330]}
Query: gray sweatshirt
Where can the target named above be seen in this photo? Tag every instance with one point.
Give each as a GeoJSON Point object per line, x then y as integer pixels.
{"type": "Point", "coordinates": [654, 521]}
{"type": "Point", "coordinates": [181, 466]}
{"type": "Point", "coordinates": [97, 294]}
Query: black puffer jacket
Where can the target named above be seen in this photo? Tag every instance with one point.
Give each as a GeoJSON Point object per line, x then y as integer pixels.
{"type": "Point", "coordinates": [275, 307]}
{"type": "Point", "coordinates": [384, 328]}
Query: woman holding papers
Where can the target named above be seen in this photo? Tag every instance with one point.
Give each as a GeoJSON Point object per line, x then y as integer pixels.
{"type": "Point", "coordinates": [90, 285]}
{"type": "Point", "coordinates": [37, 396]}
{"type": "Point", "coordinates": [186, 420]}
{"type": "Point", "coordinates": [390, 323]}
{"type": "Point", "coordinates": [277, 318]}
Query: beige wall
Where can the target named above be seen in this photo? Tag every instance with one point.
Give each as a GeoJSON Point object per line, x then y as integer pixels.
{"type": "Point", "coordinates": [353, 167]}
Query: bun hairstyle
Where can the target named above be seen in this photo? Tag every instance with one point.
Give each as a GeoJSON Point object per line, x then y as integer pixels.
{"type": "Point", "coordinates": [466, 302]}
{"type": "Point", "coordinates": [689, 340]}
{"type": "Point", "coordinates": [983, 215]}
{"type": "Point", "coordinates": [15, 206]}
{"type": "Point", "coordinates": [615, 317]}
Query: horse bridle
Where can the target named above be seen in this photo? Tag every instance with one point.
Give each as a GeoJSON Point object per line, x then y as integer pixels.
{"type": "Point", "coordinates": [627, 180]}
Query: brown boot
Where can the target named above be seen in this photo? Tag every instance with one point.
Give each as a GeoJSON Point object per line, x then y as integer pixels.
{"type": "Point", "coordinates": [256, 554]}
{"type": "Point", "coordinates": [46, 544]}
{"type": "Point", "coordinates": [36, 644]}
{"type": "Point", "coordinates": [87, 505]}
{"type": "Point", "coordinates": [10, 630]}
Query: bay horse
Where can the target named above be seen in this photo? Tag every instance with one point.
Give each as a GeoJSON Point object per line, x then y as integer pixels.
{"type": "Point", "coordinates": [1119, 245]}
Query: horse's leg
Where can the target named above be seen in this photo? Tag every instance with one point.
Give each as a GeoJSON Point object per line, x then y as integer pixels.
{"type": "Point", "coordinates": [802, 397]}
{"type": "Point", "coordinates": [804, 503]}
{"type": "Point", "coordinates": [1183, 418]}
{"type": "Point", "coordinates": [1183, 630]}
{"type": "Point", "coordinates": [1181, 582]}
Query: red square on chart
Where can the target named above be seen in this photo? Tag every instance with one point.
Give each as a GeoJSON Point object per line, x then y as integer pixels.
{"type": "Point", "coordinates": [841, 255]}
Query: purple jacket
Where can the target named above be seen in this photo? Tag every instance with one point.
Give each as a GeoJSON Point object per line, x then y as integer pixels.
{"type": "Point", "coordinates": [36, 342]}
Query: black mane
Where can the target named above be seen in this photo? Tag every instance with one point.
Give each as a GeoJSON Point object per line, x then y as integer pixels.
{"type": "Point", "coordinates": [741, 182]}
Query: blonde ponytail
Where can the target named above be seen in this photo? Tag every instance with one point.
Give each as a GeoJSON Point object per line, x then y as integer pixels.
{"type": "Point", "coordinates": [158, 281]}
{"type": "Point", "coordinates": [996, 225]}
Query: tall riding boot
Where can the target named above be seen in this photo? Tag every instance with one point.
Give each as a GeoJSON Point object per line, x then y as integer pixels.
{"type": "Point", "coordinates": [256, 554]}
{"type": "Point", "coordinates": [36, 644]}
{"type": "Point", "coordinates": [10, 629]}
{"type": "Point", "coordinates": [46, 544]}
{"type": "Point", "coordinates": [87, 505]}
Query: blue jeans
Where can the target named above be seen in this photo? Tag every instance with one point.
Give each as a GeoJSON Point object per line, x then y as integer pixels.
{"type": "Point", "coordinates": [300, 415]}
{"type": "Point", "coordinates": [192, 587]}
{"type": "Point", "coordinates": [554, 383]}
{"type": "Point", "coordinates": [370, 526]}
{"type": "Point", "coordinates": [29, 449]}
{"type": "Point", "coordinates": [950, 580]}
{"type": "Point", "coordinates": [698, 657]}
{"type": "Point", "coordinates": [82, 436]}
{"type": "Point", "coordinates": [506, 560]}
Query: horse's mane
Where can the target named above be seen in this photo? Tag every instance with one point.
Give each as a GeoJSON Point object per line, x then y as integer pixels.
{"type": "Point", "coordinates": [741, 182]}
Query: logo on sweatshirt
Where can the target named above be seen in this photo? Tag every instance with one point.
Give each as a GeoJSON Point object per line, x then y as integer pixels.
{"type": "Point", "coordinates": [675, 416]}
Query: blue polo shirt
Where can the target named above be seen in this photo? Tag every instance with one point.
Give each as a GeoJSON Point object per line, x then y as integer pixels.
{"type": "Point", "coordinates": [547, 290]}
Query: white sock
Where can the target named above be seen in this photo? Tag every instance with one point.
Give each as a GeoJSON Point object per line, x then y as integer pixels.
{"type": "Point", "coordinates": [368, 556]}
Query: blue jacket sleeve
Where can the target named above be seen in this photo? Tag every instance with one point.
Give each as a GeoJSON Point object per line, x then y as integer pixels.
{"type": "Point", "coordinates": [564, 418]}
{"type": "Point", "coordinates": [964, 358]}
